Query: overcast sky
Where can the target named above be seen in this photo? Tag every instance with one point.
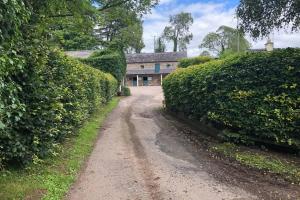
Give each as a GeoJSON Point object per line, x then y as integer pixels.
{"type": "Point", "coordinates": [208, 16]}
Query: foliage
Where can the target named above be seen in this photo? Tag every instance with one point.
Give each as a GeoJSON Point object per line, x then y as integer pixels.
{"type": "Point", "coordinates": [46, 102]}
{"type": "Point", "coordinates": [125, 91]}
{"type": "Point", "coordinates": [255, 95]}
{"type": "Point", "coordinates": [225, 39]}
{"type": "Point", "coordinates": [139, 6]}
{"type": "Point", "coordinates": [178, 31]}
{"type": "Point", "coordinates": [52, 178]}
{"type": "Point", "coordinates": [186, 62]}
{"type": "Point", "coordinates": [160, 45]}
{"type": "Point", "coordinates": [122, 25]}
{"type": "Point", "coordinates": [132, 36]}
{"type": "Point", "coordinates": [12, 15]}
{"type": "Point", "coordinates": [70, 35]}
{"type": "Point", "coordinates": [260, 161]}
{"type": "Point", "coordinates": [261, 17]}
{"type": "Point", "coordinates": [110, 61]}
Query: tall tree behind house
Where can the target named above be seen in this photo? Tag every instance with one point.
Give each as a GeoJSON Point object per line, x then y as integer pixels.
{"type": "Point", "coordinates": [178, 31]}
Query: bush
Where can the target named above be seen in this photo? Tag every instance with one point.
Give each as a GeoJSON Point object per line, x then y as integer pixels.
{"type": "Point", "coordinates": [186, 62]}
{"type": "Point", "coordinates": [256, 96]}
{"type": "Point", "coordinates": [125, 91]}
{"type": "Point", "coordinates": [45, 103]}
{"type": "Point", "coordinates": [110, 61]}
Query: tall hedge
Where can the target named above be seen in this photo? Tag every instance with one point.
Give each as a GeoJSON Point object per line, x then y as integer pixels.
{"type": "Point", "coordinates": [254, 97]}
{"type": "Point", "coordinates": [110, 61]}
{"type": "Point", "coordinates": [187, 62]}
{"type": "Point", "coordinates": [45, 102]}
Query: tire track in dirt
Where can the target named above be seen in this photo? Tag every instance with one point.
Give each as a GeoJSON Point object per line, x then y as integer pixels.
{"type": "Point", "coordinates": [143, 162]}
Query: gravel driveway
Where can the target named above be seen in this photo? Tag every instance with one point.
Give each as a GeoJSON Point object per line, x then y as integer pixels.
{"type": "Point", "coordinates": [139, 156]}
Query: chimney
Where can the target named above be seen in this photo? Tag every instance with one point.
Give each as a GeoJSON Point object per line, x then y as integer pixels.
{"type": "Point", "coordinates": [269, 45]}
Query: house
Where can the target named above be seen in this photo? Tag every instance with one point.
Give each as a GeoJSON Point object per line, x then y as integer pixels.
{"type": "Point", "coordinates": [149, 69]}
{"type": "Point", "coordinates": [143, 69]}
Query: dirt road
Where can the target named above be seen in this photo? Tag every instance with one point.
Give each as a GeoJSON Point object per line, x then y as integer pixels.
{"type": "Point", "coordinates": [141, 155]}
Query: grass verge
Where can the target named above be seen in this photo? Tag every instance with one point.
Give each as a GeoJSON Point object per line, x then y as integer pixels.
{"type": "Point", "coordinates": [50, 179]}
{"type": "Point", "coordinates": [269, 163]}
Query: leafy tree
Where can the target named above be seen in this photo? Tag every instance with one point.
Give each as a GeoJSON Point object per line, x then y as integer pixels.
{"type": "Point", "coordinates": [179, 30]}
{"type": "Point", "coordinates": [260, 17]}
{"type": "Point", "coordinates": [225, 39]}
{"type": "Point", "coordinates": [121, 25]}
{"type": "Point", "coordinates": [132, 37]}
{"type": "Point", "coordinates": [139, 6]}
{"type": "Point", "coordinates": [160, 45]}
{"type": "Point", "coordinates": [70, 35]}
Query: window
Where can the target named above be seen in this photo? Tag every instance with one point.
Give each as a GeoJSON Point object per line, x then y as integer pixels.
{"type": "Point", "coordinates": [149, 78]}
{"type": "Point", "coordinates": [142, 66]}
{"type": "Point", "coordinates": [168, 65]}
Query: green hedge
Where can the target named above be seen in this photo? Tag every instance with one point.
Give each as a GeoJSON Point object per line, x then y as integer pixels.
{"type": "Point", "coordinates": [186, 62]}
{"type": "Point", "coordinates": [110, 61]}
{"type": "Point", "coordinates": [44, 102]}
{"type": "Point", "coordinates": [125, 91]}
{"type": "Point", "coordinates": [254, 97]}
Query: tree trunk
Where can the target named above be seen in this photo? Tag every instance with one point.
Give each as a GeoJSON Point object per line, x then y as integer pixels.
{"type": "Point", "coordinates": [175, 45]}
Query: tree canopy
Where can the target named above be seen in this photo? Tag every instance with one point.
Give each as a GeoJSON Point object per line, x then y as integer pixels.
{"type": "Point", "coordinates": [261, 17]}
{"type": "Point", "coordinates": [123, 25]}
{"type": "Point", "coordinates": [58, 20]}
{"type": "Point", "coordinates": [225, 39]}
{"type": "Point", "coordinates": [179, 30]}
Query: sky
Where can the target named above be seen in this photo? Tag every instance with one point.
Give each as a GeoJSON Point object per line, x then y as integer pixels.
{"type": "Point", "coordinates": [208, 16]}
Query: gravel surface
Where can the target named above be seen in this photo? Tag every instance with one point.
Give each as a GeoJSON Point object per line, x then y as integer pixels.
{"type": "Point", "coordinates": [141, 154]}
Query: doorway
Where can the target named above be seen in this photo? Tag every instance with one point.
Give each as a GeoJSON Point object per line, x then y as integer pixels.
{"type": "Point", "coordinates": [157, 68]}
{"type": "Point", "coordinates": [145, 81]}
{"type": "Point", "coordinates": [134, 81]}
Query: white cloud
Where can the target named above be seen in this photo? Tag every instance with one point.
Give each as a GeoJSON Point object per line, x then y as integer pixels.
{"type": "Point", "coordinates": [162, 2]}
{"type": "Point", "coordinates": [207, 18]}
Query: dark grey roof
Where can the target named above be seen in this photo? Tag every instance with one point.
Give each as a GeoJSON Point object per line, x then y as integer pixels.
{"type": "Point", "coordinates": [155, 57]}
{"type": "Point", "coordinates": [148, 71]}
{"type": "Point", "coordinates": [80, 54]}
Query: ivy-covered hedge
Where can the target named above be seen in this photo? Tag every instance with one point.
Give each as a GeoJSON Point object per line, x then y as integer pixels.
{"type": "Point", "coordinates": [186, 62]}
{"type": "Point", "coordinates": [253, 97]}
{"type": "Point", "coordinates": [44, 101]}
{"type": "Point", "coordinates": [110, 61]}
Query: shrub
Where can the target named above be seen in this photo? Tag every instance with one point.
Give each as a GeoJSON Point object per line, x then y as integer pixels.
{"type": "Point", "coordinates": [45, 103]}
{"type": "Point", "coordinates": [125, 91]}
{"type": "Point", "coordinates": [256, 96]}
{"type": "Point", "coordinates": [110, 61]}
{"type": "Point", "coordinates": [186, 62]}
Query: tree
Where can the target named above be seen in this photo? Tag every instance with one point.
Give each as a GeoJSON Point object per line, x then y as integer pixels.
{"type": "Point", "coordinates": [225, 39]}
{"type": "Point", "coordinates": [122, 25]}
{"type": "Point", "coordinates": [71, 35]}
{"type": "Point", "coordinates": [160, 45]}
{"type": "Point", "coordinates": [44, 15]}
{"type": "Point", "coordinates": [179, 30]}
{"type": "Point", "coordinates": [261, 17]}
{"type": "Point", "coordinates": [132, 37]}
